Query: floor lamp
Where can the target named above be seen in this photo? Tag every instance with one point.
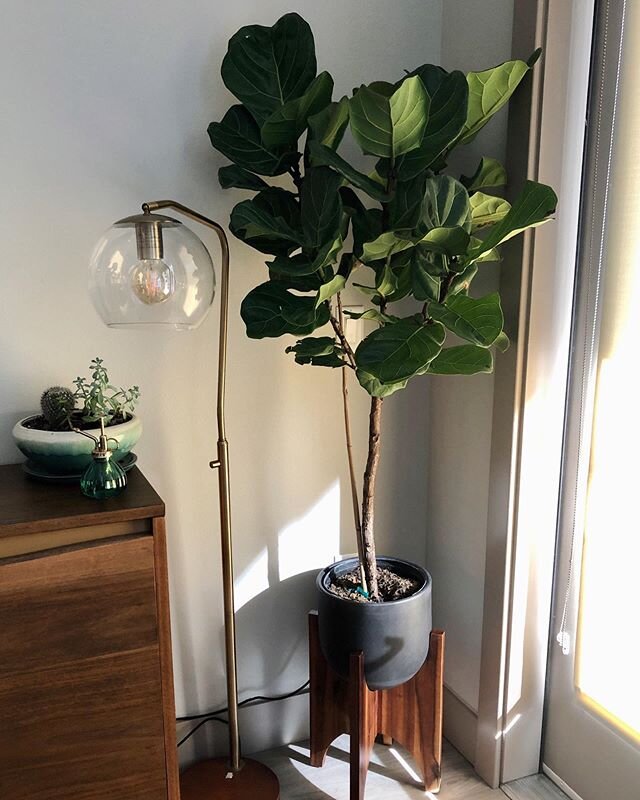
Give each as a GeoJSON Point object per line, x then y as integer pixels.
{"type": "Point", "coordinates": [150, 269]}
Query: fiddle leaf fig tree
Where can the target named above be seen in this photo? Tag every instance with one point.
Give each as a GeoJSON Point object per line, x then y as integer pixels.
{"type": "Point", "coordinates": [400, 228]}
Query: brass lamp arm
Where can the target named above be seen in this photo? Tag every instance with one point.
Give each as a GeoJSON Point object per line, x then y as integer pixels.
{"type": "Point", "coordinates": [222, 465]}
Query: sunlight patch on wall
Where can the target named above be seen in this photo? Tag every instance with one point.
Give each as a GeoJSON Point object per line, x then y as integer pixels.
{"type": "Point", "coordinates": [253, 580]}
{"type": "Point", "coordinates": [313, 540]}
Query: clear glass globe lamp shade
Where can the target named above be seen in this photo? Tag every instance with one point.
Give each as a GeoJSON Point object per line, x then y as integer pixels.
{"type": "Point", "coordinates": [151, 270]}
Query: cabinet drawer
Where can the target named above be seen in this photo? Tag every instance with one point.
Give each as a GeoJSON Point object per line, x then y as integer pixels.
{"type": "Point", "coordinates": [80, 678]}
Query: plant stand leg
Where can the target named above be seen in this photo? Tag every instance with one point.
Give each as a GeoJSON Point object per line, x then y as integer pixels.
{"type": "Point", "coordinates": [364, 725]}
{"type": "Point", "coordinates": [328, 699]}
{"type": "Point", "coordinates": [409, 714]}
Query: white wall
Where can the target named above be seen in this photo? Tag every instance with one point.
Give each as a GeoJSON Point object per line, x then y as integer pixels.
{"type": "Point", "coordinates": [106, 104]}
{"type": "Point", "coordinates": [475, 36]}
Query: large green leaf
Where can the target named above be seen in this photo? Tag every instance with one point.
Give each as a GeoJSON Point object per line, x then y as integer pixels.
{"type": "Point", "coordinates": [327, 127]}
{"type": "Point", "coordinates": [322, 155]}
{"type": "Point", "coordinates": [266, 67]}
{"type": "Point", "coordinates": [286, 124]}
{"type": "Point", "coordinates": [330, 288]}
{"type": "Point", "coordinates": [446, 241]}
{"type": "Point", "coordinates": [424, 285]}
{"type": "Point", "coordinates": [383, 246]}
{"type": "Point", "coordinates": [487, 210]}
{"type": "Point", "coordinates": [489, 90]}
{"type": "Point", "coordinates": [390, 126]}
{"type": "Point", "coordinates": [270, 310]}
{"type": "Point", "coordinates": [489, 174]}
{"type": "Point", "coordinates": [375, 388]}
{"type": "Point", "coordinates": [319, 351]}
{"type": "Point", "coordinates": [446, 204]}
{"type": "Point", "coordinates": [270, 222]}
{"type": "Point", "coordinates": [238, 138]}
{"type": "Point", "coordinates": [477, 320]}
{"type": "Point", "coordinates": [462, 281]}
{"type": "Point", "coordinates": [321, 206]}
{"type": "Point", "coordinates": [534, 205]}
{"type": "Point", "coordinates": [307, 263]}
{"type": "Point", "coordinates": [233, 176]}
{"type": "Point", "coordinates": [447, 115]}
{"type": "Point", "coordinates": [399, 350]}
{"type": "Point", "coordinates": [464, 359]}
{"type": "Point", "coordinates": [405, 210]}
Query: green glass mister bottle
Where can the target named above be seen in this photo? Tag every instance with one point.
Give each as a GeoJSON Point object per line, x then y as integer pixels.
{"type": "Point", "coordinates": [104, 477]}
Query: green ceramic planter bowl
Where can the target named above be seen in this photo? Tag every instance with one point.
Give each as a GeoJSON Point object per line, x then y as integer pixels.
{"type": "Point", "coordinates": [65, 452]}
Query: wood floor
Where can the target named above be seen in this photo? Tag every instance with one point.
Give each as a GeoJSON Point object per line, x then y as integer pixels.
{"type": "Point", "coordinates": [535, 787]}
{"type": "Point", "coordinates": [390, 775]}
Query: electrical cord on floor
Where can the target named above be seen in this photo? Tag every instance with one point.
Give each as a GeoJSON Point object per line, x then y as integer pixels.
{"type": "Point", "coordinates": [213, 716]}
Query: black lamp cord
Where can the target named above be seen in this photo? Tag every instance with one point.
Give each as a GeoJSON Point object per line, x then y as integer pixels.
{"type": "Point", "coordinates": [213, 716]}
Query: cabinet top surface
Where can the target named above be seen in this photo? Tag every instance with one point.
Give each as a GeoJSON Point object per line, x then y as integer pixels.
{"type": "Point", "coordinates": [30, 506]}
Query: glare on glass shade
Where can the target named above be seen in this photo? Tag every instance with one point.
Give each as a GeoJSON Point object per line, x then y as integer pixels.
{"type": "Point", "coordinates": [151, 270]}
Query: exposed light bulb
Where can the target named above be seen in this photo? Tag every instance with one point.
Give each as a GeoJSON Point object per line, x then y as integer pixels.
{"type": "Point", "coordinates": [152, 281]}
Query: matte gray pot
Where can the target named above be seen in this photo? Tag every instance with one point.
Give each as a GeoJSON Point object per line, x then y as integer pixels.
{"type": "Point", "coordinates": [393, 636]}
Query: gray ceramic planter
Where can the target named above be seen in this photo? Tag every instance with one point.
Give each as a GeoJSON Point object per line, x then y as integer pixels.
{"type": "Point", "coordinates": [66, 452]}
{"type": "Point", "coordinates": [393, 636]}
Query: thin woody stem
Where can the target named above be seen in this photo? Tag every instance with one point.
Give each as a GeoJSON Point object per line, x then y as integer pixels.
{"type": "Point", "coordinates": [352, 474]}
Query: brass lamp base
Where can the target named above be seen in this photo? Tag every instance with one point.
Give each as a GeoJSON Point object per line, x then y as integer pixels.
{"type": "Point", "coordinates": [208, 780]}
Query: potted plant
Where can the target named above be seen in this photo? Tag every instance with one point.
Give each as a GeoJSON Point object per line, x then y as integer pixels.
{"type": "Point", "coordinates": [49, 440]}
{"type": "Point", "coordinates": [405, 233]}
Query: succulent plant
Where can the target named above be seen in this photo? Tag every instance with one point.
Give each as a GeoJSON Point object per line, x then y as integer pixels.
{"type": "Point", "coordinates": [57, 404]}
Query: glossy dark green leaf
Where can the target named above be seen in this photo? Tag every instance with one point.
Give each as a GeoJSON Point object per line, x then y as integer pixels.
{"type": "Point", "coordinates": [478, 320]}
{"type": "Point", "coordinates": [461, 282]}
{"type": "Point", "coordinates": [502, 342]}
{"type": "Point", "coordinates": [265, 67]}
{"type": "Point", "coordinates": [286, 124]}
{"type": "Point", "coordinates": [489, 90]}
{"type": "Point", "coordinates": [424, 285]}
{"type": "Point", "coordinates": [446, 241]}
{"type": "Point", "coordinates": [487, 210]}
{"type": "Point", "coordinates": [446, 204]}
{"type": "Point", "coordinates": [270, 310]}
{"type": "Point", "coordinates": [319, 351]}
{"type": "Point", "coordinates": [464, 359]}
{"type": "Point", "coordinates": [270, 222]}
{"type": "Point", "coordinates": [235, 177]}
{"type": "Point", "coordinates": [238, 138]}
{"type": "Point", "coordinates": [399, 350]}
{"type": "Point", "coordinates": [389, 126]}
{"type": "Point", "coordinates": [321, 206]}
{"type": "Point", "coordinates": [313, 346]}
{"type": "Point", "coordinates": [405, 209]}
{"type": "Point", "coordinates": [330, 288]}
{"type": "Point", "coordinates": [384, 245]}
{"type": "Point", "coordinates": [327, 127]}
{"type": "Point", "coordinates": [322, 155]}
{"type": "Point", "coordinates": [534, 205]}
{"type": "Point", "coordinates": [489, 174]}
{"type": "Point", "coordinates": [375, 388]}
{"type": "Point", "coordinates": [447, 115]}
{"type": "Point", "coordinates": [302, 264]}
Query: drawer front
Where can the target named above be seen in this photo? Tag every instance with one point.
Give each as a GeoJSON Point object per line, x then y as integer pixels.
{"type": "Point", "coordinates": [80, 679]}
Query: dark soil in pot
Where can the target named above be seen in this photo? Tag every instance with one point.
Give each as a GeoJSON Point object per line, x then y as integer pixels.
{"type": "Point", "coordinates": [39, 423]}
{"type": "Point", "coordinates": [390, 585]}
{"type": "Point", "coordinates": [393, 635]}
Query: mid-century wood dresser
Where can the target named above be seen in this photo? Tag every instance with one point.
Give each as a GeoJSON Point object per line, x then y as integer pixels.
{"type": "Point", "coordinates": [86, 688]}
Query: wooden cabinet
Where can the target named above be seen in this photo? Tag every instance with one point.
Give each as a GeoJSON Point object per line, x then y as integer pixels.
{"type": "Point", "coordinates": [86, 688]}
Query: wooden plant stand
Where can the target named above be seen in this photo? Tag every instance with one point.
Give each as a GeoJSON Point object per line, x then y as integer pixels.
{"type": "Point", "coordinates": [411, 713]}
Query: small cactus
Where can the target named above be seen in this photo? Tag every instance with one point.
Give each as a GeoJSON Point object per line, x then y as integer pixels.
{"type": "Point", "coordinates": [57, 404]}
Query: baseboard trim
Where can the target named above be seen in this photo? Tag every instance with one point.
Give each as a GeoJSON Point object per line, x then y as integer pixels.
{"type": "Point", "coordinates": [460, 724]}
{"type": "Point", "coordinates": [560, 783]}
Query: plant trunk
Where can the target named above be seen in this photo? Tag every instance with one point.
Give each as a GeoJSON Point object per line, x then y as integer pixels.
{"type": "Point", "coordinates": [368, 499]}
